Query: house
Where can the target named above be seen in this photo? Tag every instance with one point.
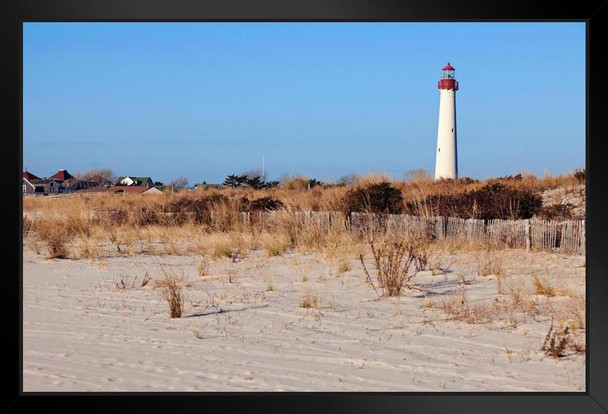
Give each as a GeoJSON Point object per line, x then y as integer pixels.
{"type": "Point", "coordinates": [134, 181]}
{"type": "Point", "coordinates": [68, 183]}
{"type": "Point", "coordinates": [62, 175]}
{"type": "Point", "coordinates": [134, 185]}
{"type": "Point", "coordinates": [133, 189]}
{"type": "Point", "coordinates": [41, 186]}
{"type": "Point", "coordinates": [99, 181]}
{"type": "Point", "coordinates": [30, 188]}
{"type": "Point", "coordinates": [60, 182]}
{"type": "Point", "coordinates": [94, 184]}
{"type": "Point", "coordinates": [64, 182]}
{"type": "Point", "coordinates": [34, 185]}
{"type": "Point", "coordinates": [29, 176]}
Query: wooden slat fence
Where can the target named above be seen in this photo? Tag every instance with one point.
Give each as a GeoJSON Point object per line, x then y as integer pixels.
{"type": "Point", "coordinates": [512, 233]}
{"type": "Point", "coordinates": [564, 237]}
{"type": "Point", "coordinates": [573, 236]}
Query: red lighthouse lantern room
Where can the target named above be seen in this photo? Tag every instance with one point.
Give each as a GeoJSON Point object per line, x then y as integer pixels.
{"type": "Point", "coordinates": [447, 78]}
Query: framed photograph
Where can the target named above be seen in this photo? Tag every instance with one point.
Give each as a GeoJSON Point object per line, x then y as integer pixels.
{"type": "Point", "coordinates": [353, 207]}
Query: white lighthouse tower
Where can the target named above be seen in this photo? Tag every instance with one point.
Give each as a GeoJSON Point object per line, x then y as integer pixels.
{"type": "Point", "coordinates": [446, 164]}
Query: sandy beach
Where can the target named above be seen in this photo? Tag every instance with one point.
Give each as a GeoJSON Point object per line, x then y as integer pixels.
{"type": "Point", "coordinates": [102, 325]}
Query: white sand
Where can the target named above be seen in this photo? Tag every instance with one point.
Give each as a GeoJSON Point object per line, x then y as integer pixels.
{"type": "Point", "coordinates": [83, 333]}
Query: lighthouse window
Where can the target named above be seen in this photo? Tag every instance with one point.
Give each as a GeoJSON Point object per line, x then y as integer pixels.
{"type": "Point", "coordinates": [438, 149]}
{"type": "Point", "coordinates": [452, 129]}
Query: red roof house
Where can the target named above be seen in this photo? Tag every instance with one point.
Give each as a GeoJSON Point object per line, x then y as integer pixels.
{"type": "Point", "coordinates": [29, 176]}
{"type": "Point", "coordinates": [62, 174]}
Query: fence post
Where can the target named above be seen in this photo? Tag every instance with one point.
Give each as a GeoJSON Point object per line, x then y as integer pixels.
{"type": "Point", "coordinates": [583, 233]}
{"type": "Point", "coordinates": [528, 235]}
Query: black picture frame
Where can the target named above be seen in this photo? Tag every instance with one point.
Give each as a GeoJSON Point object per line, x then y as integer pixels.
{"type": "Point", "coordinates": [13, 13]}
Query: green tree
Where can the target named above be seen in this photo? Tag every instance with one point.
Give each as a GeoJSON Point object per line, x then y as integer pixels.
{"type": "Point", "coordinates": [232, 181]}
{"type": "Point", "coordinates": [255, 182]}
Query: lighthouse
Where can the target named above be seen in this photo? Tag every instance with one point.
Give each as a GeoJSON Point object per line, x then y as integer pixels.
{"type": "Point", "coordinates": [446, 164]}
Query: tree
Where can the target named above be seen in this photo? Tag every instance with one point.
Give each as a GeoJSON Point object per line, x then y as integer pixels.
{"type": "Point", "coordinates": [255, 182]}
{"type": "Point", "coordinates": [105, 173]}
{"type": "Point", "coordinates": [234, 180]}
{"type": "Point", "coordinates": [178, 183]}
{"type": "Point", "coordinates": [251, 179]}
{"type": "Point", "coordinates": [230, 181]}
{"type": "Point", "coordinates": [254, 173]}
{"type": "Point", "coordinates": [348, 179]}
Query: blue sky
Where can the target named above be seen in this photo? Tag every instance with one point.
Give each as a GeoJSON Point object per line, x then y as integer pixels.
{"type": "Point", "coordinates": [204, 100]}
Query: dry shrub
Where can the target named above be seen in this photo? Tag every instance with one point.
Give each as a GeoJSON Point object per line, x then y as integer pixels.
{"type": "Point", "coordinates": [26, 225]}
{"type": "Point", "coordinates": [497, 199]}
{"type": "Point", "coordinates": [275, 245]}
{"type": "Point", "coordinates": [309, 300]}
{"type": "Point", "coordinates": [542, 287]}
{"type": "Point", "coordinates": [295, 183]}
{"type": "Point", "coordinates": [517, 294]}
{"type": "Point", "coordinates": [364, 180]}
{"type": "Point", "coordinates": [123, 238]}
{"type": "Point", "coordinates": [56, 239]}
{"type": "Point", "coordinates": [125, 283]}
{"type": "Point", "coordinates": [343, 267]}
{"type": "Point", "coordinates": [576, 312]}
{"type": "Point", "coordinates": [57, 232]}
{"type": "Point", "coordinates": [171, 288]}
{"type": "Point", "coordinates": [558, 212]}
{"type": "Point", "coordinates": [393, 256]}
{"type": "Point", "coordinates": [571, 312]}
{"type": "Point", "coordinates": [437, 261]}
{"type": "Point", "coordinates": [312, 238]}
{"type": "Point", "coordinates": [203, 266]}
{"type": "Point", "coordinates": [232, 245]}
{"type": "Point", "coordinates": [459, 308]}
{"type": "Point", "coordinates": [285, 222]}
{"type": "Point", "coordinates": [83, 247]}
{"type": "Point", "coordinates": [374, 198]}
{"type": "Point", "coordinates": [261, 204]}
{"type": "Point", "coordinates": [296, 231]}
{"type": "Point", "coordinates": [451, 246]}
{"type": "Point", "coordinates": [422, 247]}
{"type": "Point", "coordinates": [500, 281]}
{"type": "Point", "coordinates": [490, 262]}
{"type": "Point", "coordinates": [560, 343]}
{"type": "Point", "coordinates": [198, 209]}
{"type": "Point", "coordinates": [226, 216]}
{"type": "Point", "coordinates": [339, 247]}
{"type": "Point", "coordinates": [147, 216]}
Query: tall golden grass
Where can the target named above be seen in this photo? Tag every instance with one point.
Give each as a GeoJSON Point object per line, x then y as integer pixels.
{"type": "Point", "coordinates": [91, 225]}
